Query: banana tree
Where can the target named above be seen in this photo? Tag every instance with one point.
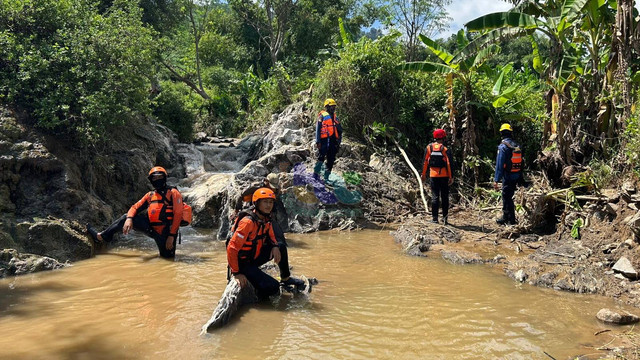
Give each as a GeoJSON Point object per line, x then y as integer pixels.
{"type": "Point", "coordinates": [557, 20]}
{"type": "Point", "coordinates": [462, 68]}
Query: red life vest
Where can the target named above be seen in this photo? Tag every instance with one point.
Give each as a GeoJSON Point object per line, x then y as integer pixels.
{"type": "Point", "coordinates": [328, 127]}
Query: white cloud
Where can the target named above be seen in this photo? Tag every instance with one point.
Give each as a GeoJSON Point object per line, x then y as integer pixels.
{"type": "Point", "coordinates": [463, 11]}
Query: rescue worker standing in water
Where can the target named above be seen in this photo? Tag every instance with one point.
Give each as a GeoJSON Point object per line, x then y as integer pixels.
{"type": "Point", "coordinates": [509, 170]}
{"type": "Point", "coordinates": [328, 136]}
{"type": "Point", "coordinates": [253, 244]}
{"type": "Point", "coordinates": [160, 221]}
{"type": "Point", "coordinates": [438, 162]}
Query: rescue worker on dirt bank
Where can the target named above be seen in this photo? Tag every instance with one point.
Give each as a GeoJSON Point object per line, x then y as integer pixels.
{"type": "Point", "coordinates": [509, 170]}
{"type": "Point", "coordinates": [253, 244]}
{"type": "Point", "coordinates": [328, 136]}
{"type": "Point", "coordinates": [160, 221]}
{"type": "Point", "coordinates": [439, 163]}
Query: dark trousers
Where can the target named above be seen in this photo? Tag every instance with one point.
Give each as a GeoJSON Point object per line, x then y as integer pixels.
{"type": "Point", "coordinates": [508, 207]}
{"type": "Point", "coordinates": [141, 223]}
{"type": "Point", "coordinates": [266, 285]}
{"type": "Point", "coordinates": [439, 191]}
{"type": "Point", "coordinates": [329, 148]}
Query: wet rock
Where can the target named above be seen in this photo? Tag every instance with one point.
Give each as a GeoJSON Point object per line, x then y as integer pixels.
{"type": "Point", "coordinates": [520, 276]}
{"type": "Point", "coordinates": [461, 257]}
{"type": "Point", "coordinates": [14, 263]}
{"type": "Point", "coordinates": [624, 267]}
{"type": "Point", "coordinates": [615, 317]}
{"type": "Point", "coordinates": [57, 238]}
{"type": "Point", "coordinates": [546, 279]}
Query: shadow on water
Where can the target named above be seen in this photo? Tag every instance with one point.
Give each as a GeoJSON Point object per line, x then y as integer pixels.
{"type": "Point", "coordinates": [95, 347]}
{"type": "Point", "coordinates": [12, 298]}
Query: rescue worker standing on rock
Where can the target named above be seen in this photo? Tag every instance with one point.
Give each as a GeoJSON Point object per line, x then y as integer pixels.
{"type": "Point", "coordinates": [328, 136]}
{"type": "Point", "coordinates": [439, 164]}
{"type": "Point", "coordinates": [253, 244]}
{"type": "Point", "coordinates": [160, 221]}
{"type": "Point", "coordinates": [509, 170]}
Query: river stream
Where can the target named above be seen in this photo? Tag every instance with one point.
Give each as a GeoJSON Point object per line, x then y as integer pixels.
{"type": "Point", "coordinates": [372, 302]}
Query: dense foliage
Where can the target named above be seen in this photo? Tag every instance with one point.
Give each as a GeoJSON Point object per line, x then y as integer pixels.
{"type": "Point", "coordinates": [553, 69]}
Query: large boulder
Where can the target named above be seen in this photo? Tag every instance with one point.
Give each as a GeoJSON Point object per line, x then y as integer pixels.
{"type": "Point", "coordinates": [14, 263]}
{"type": "Point", "coordinates": [60, 239]}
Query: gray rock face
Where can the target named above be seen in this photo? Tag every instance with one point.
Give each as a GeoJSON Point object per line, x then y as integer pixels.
{"type": "Point", "coordinates": [624, 267]}
{"type": "Point", "coordinates": [354, 192]}
{"type": "Point", "coordinates": [615, 317]}
{"type": "Point", "coordinates": [46, 177]}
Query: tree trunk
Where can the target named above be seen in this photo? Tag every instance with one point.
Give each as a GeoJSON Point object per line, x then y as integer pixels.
{"type": "Point", "coordinates": [469, 137]}
{"type": "Point", "coordinates": [622, 41]}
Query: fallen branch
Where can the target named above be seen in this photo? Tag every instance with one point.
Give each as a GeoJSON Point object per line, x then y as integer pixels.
{"type": "Point", "coordinates": [556, 262]}
{"type": "Point", "coordinates": [601, 331]}
{"type": "Point", "coordinates": [491, 208]}
{"type": "Point", "coordinates": [559, 254]}
{"type": "Point", "coordinates": [415, 172]}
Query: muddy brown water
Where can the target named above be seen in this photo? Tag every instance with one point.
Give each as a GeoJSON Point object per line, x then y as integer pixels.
{"type": "Point", "coordinates": [372, 302]}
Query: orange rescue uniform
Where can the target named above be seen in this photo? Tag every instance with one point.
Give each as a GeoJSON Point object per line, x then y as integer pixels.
{"type": "Point", "coordinates": [162, 210]}
{"type": "Point", "coordinates": [436, 172]}
{"type": "Point", "coordinates": [248, 240]}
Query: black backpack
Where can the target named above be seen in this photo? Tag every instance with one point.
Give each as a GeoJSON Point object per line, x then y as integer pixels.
{"type": "Point", "coordinates": [437, 158]}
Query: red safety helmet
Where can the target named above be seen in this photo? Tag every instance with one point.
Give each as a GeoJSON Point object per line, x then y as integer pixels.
{"type": "Point", "coordinates": [263, 193]}
{"type": "Point", "coordinates": [439, 134]}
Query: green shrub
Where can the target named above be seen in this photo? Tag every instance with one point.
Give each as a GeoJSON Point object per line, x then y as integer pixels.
{"type": "Point", "coordinates": [73, 69]}
{"type": "Point", "coordinates": [171, 110]}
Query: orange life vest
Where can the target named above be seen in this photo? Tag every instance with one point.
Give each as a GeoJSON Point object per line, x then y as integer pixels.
{"type": "Point", "coordinates": [437, 160]}
{"type": "Point", "coordinates": [516, 157]}
{"type": "Point", "coordinates": [329, 124]}
{"type": "Point", "coordinates": [250, 234]}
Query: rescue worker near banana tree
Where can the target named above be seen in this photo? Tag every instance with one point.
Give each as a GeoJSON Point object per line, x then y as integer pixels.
{"type": "Point", "coordinates": [509, 171]}
{"type": "Point", "coordinates": [160, 221]}
{"type": "Point", "coordinates": [439, 164]}
{"type": "Point", "coordinates": [253, 244]}
{"type": "Point", "coordinates": [328, 136]}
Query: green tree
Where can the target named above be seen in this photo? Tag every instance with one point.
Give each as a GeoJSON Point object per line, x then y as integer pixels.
{"type": "Point", "coordinates": [74, 69]}
{"type": "Point", "coordinates": [415, 17]}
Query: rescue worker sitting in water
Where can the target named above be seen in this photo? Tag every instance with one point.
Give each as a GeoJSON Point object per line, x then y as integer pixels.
{"type": "Point", "coordinates": [253, 244]}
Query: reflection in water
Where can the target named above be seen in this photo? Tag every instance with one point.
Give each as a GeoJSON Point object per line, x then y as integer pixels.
{"type": "Point", "coordinates": [372, 302]}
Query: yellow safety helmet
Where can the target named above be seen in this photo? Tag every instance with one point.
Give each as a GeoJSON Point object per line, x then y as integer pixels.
{"type": "Point", "coordinates": [506, 127]}
{"type": "Point", "coordinates": [330, 102]}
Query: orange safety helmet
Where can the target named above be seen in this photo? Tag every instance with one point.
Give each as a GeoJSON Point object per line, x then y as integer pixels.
{"type": "Point", "coordinates": [439, 134]}
{"type": "Point", "coordinates": [263, 193]}
{"type": "Point", "coordinates": [157, 169]}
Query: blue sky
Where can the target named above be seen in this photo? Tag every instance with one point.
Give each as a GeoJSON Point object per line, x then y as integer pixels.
{"type": "Point", "coordinates": [462, 11]}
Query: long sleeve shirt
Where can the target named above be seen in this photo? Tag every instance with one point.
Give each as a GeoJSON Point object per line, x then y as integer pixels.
{"type": "Point", "coordinates": [338, 128]}
{"type": "Point", "coordinates": [172, 195]}
{"type": "Point", "coordinates": [504, 158]}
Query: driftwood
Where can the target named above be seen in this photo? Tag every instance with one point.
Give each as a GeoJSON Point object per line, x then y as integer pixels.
{"type": "Point", "coordinates": [415, 172]}
{"type": "Point", "coordinates": [232, 299]}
